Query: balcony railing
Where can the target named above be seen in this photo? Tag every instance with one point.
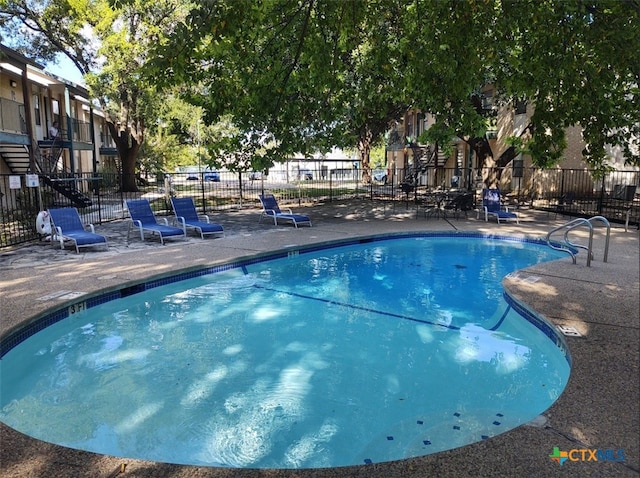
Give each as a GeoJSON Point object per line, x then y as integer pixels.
{"type": "Point", "coordinates": [81, 131]}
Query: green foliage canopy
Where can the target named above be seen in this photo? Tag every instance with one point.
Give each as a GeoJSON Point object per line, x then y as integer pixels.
{"type": "Point", "coordinates": [304, 76]}
{"type": "Point", "coordinates": [315, 73]}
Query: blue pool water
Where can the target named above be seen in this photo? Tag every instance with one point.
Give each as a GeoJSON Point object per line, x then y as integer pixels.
{"type": "Point", "coordinates": [349, 355]}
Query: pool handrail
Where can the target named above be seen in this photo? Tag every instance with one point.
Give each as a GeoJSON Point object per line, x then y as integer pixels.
{"type": "Point", "coordinates": [568, 246]}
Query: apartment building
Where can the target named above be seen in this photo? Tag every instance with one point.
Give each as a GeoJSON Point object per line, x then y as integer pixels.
{"type": "Point", "coordinates": [460, 164]}
{"type": "Point", "coordinates": [49, 127]}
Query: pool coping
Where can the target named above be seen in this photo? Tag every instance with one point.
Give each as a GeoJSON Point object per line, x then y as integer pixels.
{"type": "Point", "coordinates": [605, 418]}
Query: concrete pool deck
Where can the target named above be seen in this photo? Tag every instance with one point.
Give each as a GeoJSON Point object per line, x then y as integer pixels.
{"type": "Point", "coordinates": [600, 408]}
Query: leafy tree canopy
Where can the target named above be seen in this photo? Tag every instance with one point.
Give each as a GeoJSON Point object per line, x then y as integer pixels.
{"type": "Point", "coordinates": [312, 74]}
{"type": "Point", "coordinates": [175, 138]}
{"type": "Point", "coordinates": [304, 76]}
{"type": "Point", "coordinates": [577, 63]}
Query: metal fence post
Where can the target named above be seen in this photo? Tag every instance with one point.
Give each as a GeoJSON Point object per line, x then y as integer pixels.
{"type": "Point", "coordinates": [204, 206]}
{"type": "Point", "coordinates": [331, 185]}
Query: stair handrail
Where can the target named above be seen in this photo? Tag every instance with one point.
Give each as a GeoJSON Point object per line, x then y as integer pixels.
{"type": "Point", "coordinates": [577, 223]}
{"type": "Point", "coordinates": [607, 237]}
{"type": "Point", "coordinates": [46, 163]}
{"type": "Point", "coordinates": [606, 222]}
{"type": "Point", "coordinates": [567, 245]}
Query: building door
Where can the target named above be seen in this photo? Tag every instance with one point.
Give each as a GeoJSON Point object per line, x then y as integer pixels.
{"type": "Point", "coordinates": [38, 113]}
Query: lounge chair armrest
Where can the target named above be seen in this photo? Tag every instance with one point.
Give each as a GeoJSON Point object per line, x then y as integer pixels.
{"type": "Point", "coordinates": [270, 212]}
{"type": "Point", "coordinates": [289, 209]}
{"type": "Point", "coordinates": [91, 228]}
{"type": "Point", "coordinates": [205, 218]}
{"type": "Point", "coordinates": [181, 221]}
{"type": "Point", "coordinates": [164, 219]}
{"type": "Point", "coordinates": [138, 224]}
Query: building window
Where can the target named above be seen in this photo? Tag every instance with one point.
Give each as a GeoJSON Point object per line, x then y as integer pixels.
{"type": "Point", "coordinates": [55, 107]}
{"type": "Point", "coordinates": [409, 130]}
{"type": "Point", "coordinates": [521, 106]}
{"type": "Point", "coordinates": [487, 101]}
{"type": "Point", "coordinates": [420, 124]}
{"type": "Point", "coordinates": [36, 110]}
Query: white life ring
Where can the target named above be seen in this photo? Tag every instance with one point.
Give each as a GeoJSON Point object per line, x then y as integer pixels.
{"type": "Point", "coordinates": [43, 223]}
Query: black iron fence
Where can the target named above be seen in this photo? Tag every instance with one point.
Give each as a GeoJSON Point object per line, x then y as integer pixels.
{"type": "Point", "coordinates": [570, 192]}
{"type": "Point", "coordinates": [574, 192]}
{"type": "Point", "coordinates": [18, 211]}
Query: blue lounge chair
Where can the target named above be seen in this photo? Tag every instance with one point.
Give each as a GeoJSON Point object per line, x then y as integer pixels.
{"type": "Point", "coordinates": [67, 226]}
{"type": "Point", "coordinates": [492, 205]}
{"type": "Point", "coordinates": [270, 208]}
{"type": "Point", "coordinates": [186, 214]}
{"type": "Point", "coordinates": [143, 218]}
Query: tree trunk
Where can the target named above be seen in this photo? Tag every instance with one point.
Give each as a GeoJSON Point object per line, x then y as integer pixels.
{"type": "Point", "coordinates": [128, 148]}
{"type": "Point", "coordinates": [364, 148]}
{"type": "Point", "coordinates": [128, 159]}
{"type": "Point", "coordinates": [482, 149]}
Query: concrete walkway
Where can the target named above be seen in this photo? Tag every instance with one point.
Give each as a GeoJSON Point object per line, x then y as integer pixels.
{"type": "Point", "coordinates": [598, 410]}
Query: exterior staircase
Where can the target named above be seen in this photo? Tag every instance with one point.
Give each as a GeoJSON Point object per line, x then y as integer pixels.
{"type": "Point", "coordinates": [424, 157]}
{"type": "Point", "coordinates": [16, 156]}
{"type": "Point", "coordinates": [67, 187]}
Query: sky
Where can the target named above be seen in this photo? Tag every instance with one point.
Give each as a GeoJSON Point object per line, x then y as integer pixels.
{"type": "Point", "coordinates": [66, 70]}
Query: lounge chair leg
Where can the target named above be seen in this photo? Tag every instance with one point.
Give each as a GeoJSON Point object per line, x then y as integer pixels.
{"type": "Point", "coordinates": [59, 237]}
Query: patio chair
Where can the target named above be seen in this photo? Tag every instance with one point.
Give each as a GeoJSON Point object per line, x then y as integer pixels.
{"type": "Point", "coordinates": [460, 203]}
{"type": "Point", "coordinates": [186, 215]}
{"type": "Point", "coordinates": [66, 225]}
{"type": "Point", "coordinates": [270, 208]}
{"type": "Point", "coordinates": [492, 205]}
{"type": "Point", "coordinates": [142, 217]}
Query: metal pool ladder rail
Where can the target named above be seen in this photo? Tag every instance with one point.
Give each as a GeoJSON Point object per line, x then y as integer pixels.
{"type": "Point", "coordinates": [569, 247]}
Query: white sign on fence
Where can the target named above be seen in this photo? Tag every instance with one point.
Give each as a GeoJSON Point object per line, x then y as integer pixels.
{"type": "Point", "coordinates": [14, 182]}
{"type": "Point", "coordinates": [32, 181]}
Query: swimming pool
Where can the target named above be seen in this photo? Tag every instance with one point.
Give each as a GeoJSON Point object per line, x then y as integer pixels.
{"type": "Point", "coordinates": [369, 352]}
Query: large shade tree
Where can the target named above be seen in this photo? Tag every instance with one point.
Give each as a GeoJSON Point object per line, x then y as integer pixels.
{"type": "Point", "coordinates": [371, 96]}
{"type": "Point", "coordinates": [449, 66]}
{"type": "Point", "coordinates": [577, 63]}
{"type": "Point", "coordinates": [312, 73]}
{"type": "Point", "coordinates": [174, 140]}
{"type": "Point", "coordinates": [574, 62]}
{"type": "Point", "coordinates": [297, 77]}
{"type": "Point", "coordinates": [307, 75]}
